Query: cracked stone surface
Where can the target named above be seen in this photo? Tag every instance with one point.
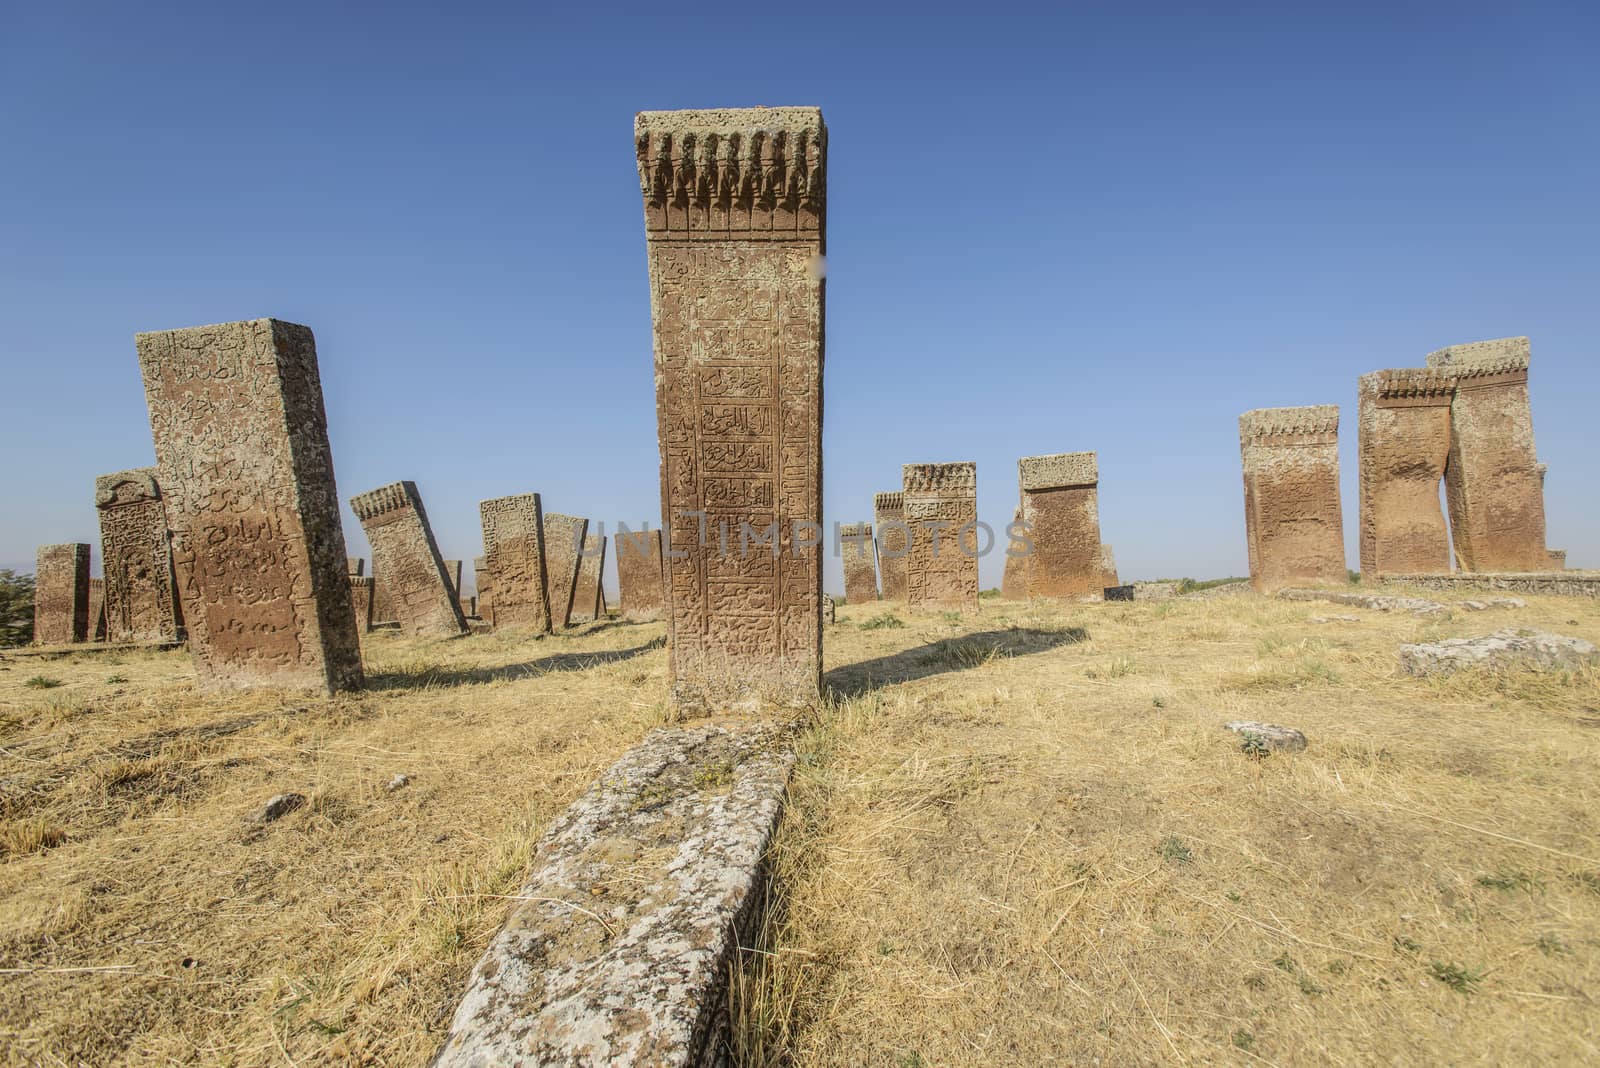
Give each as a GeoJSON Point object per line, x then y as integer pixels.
{"type": "Point", "coordinates": [1281, 739]}
{"type": "Point", "coordinates": [619, 950]}
{"type": "Point", "coordinates": [1383, 602]}
{"type": "Point", "coordinates": [1510, 648]}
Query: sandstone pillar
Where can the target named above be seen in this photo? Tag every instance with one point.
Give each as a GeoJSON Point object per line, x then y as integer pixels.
{"type": "Point", "coordinates": [141, 603]}
{"type": "Point", "coordinates": [734, 222]}
{"type": "Point", "coordinates": [97, 611]}
{"type": "Point", "coordinates": [1404, 443]}
{"type": "Point", "coordinates": [941, 508]}
{"type": "Point", "coordinates": [61, 594]}
{"type": "Point", "coordinates": [514, 552]}
{"type": "Point", "coordinates": [246, 477]}
{"type": "Point", "coordinates": [860, 568]}
{"type": "Point", "coordinates": [588, 603]}
{"type": "Point", "coordinates": [406, 559]}
{"type": "Point", "coordinates": [1108, 568]}
{"type": "Point", "coordinates": [361, 602]}
{"type": "Point", "coordinates": [1293, 517]}
{"type": "Point", "coordinates": [484, 583]}
{"type": "Point", "coordinates": [1061, 509]}
{"type": "Point", "coordinates": [889, 513]}
{"type": "Point", "coordinates": [1014, 580]}
{"type": "Point", "coordinates": [563, 555]}
{"type": "Point", "coordinates": [640, 571]}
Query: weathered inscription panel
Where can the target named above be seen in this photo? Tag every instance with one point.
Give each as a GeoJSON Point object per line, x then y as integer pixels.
{"type": "Point", "coordinates": [61, 594]}
{"type": "Point", "coordinates": [860, 563]}
{"type": "Point", "coordinates": [141, 601]}
{"type": "Point", "coordinates": [639, 573]}
{"type": "Point", "coordinates": [563, 552]}
{"type": "Point", "coordinates": [406, 559]}
{"type": "Point", "coordinates": [941, 507]}
{"type": "Point", "coordinates": [588, 603]}
{"type": "Point", "coordinates": [1293, 517]}
{"type": "Point", "coordinates": [1061, 508]}
{"type": "Point", "coordinates": [514, 553]}
{"type": "Point", "coordinates": [889, 513]}
{"type": "Point", "coordinates": [1403, 444]}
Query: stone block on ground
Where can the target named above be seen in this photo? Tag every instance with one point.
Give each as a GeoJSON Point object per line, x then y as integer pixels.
{"type": "Point", "coordinates": [1502, 650]}
{"type": "Point", "coordinates": [1268, 735]}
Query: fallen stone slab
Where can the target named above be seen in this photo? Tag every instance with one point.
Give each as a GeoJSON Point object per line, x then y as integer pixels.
{"type": "Point", "coordinates": [1485, 604]}
{"type": "Point", "coordinates": [1268, 735]}
{"type": "Point", "coordinates": [1560, 583]}
{"type": "Point", "coordinates": [1502, 650]}
{"type": "Point", "coordinates": [1334, 619]}
{"type": "Point", "coordinates": [620, 950]}
{"type": "Point", "coordinates": [1378, 602]}
{"type": "Point", "coordinates": [1227, 589]}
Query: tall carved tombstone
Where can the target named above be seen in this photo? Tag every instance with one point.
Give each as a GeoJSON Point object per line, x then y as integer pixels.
{"type": "Point", "coordinates": [97, 611]}
{"type": "Point", "coordinates": [941, 508]}
{"type": "Point", "coordinates": [860, 567]}
{"type": "Point", "coordinates": [513, 542]}
{"type": "Point", "coordinates": [735, 233]}
{"type": "Point", "coordinates": [61, 594]}
{"type": "Point", "coordinates": [587, 600]}
{"type": "Point", "coordinates": [563, 553]}
{"type": "Point", "coordinates": [1061, 508]}
{"type": "Point", "coordinates": [383, 609]}
{"type": "Point", "coordinates": [484, 581]}
{"type": "Point", "coordinates": [406, 559]}
{"type": "Point", "coordinates": [1293, 518]}
{"type": "Point", "coordinates": [1493, 482]}
{"type": "Point", "coordinates": [452, 575]}
{"type": "Point", "coordinates": [1403, 445]}
{"type": "Point", "coordinates": [1014, 579]}
{"type": "Point", "coordinates": [894, 542]}
{"type": "Point", "coordinates": [361, 602]}
{"type": "Point", "coordinates": [640, 572]}
{"type": "Point", "coordinates": [136, 553]}
{"type": "Point", "coordinates": [246, 476]}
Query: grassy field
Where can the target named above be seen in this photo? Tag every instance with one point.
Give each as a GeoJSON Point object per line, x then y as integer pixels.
{"type": "Point", "coordinates": [1019, 838]}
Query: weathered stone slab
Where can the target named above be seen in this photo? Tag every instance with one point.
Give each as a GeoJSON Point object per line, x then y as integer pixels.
{"type": "Point", "coordinates": [355, 565]}
{"type": "Point", "coordinates": [941, 507]}
{"type": "Point", "coordinates": [1494, 480]}
{"type": "Point", "coordinates": [1060, 506]}
{"type": "Point", "coordinates": [383, 609]}
{"type": "Point", "coordinates": [1404, 444]}
{"type": "Point", "coordinates": [1108, 567]}
{"type": "Point", "coordinates": [1267, 736]}
{"type": "Point", "coordinates": [483, 581]}
{"type": "Point", "coordinates": [1155, 591]}
{"type": "Point", "coordinates": [513, 542]}
{"type": "Point", "coordinates": [860, 567]}
{"type": "Point", "coordinates": [452, 576]}
{"type": "Point", "coordinates": [830, 609]}
{"type": "Point", "coordinates": [1561, 583]}
{"type": "Point", "coordinates": [406, 559]}
{"type": "Point", "coordinates": [588, 602]}
{"type": "Point", "coordinates": [643, 891]}
{"type": "Point", "coordinates": [894, 543]}
{"type": "Point", "coordinates": [361, 601]}
{"type": "Point", "coordinates": [640, 573]}
{"type": "Point", "coordinates": [246, 478]}
{"type": "Point", "coordinates": [1389, 603]}
{"type": "Point", "coordinates": [1293, 517]}
{"type": "Point", "coordinates": [734, 221]}
{"type": "Point", "coordinates": [469, 606]}
{"type": "Point", "coordinates": [1502, 650]}
{"type": "Point", "coordinates": [1014, 579]}
{"type": "Point", "coordinates": [97, 610]}
{"type": "Point", "coordinates": [141, 603]}
{"type": "Point", "coordinates": [563, 557]}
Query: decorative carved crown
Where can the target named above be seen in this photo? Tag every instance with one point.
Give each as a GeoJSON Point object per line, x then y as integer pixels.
{"type": "Point", "coordinates": [1477, 359]}
{"type": "Point", "coordinates": [952, 479]}
{"type": "Point", "coordinates": [888, 502]}
{"type": "Point", "coordinates": [126, 487]}
{"type": "Point", "coordinates": [855, 530]}
{"type": "Point", "coordinates": [732, 168]}
{"type": "Point", "coordinates": [1260, 426]}
{"type": "Point", "coordinates": [1410, 382]}
{"type": "Point", "coordinates": [384, 499]}
{"type": "Point", "coordinates": [1058, 470]}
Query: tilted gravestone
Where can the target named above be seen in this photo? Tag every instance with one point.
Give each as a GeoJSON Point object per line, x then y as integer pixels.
{"type": "Point", "coordinates": [141, 603]}
{"type": "Point", "coordinates": [588, 604]}
{"type": "Point", "coordinates": [860, 567]}
{"type": "Point", "coordinates": [1403, 436]}
{"type": "Point", "coordinates": [734, 224]}
{"type": "Point", "coordinates": [563, 553]}
{"type": "Point", "coordinates": [1293, 523]}
{"type": "Point", "coordinates": [941, 507]}
{"type": "Point", "coordinates": [484, 583]}
{"type": "Point", "coordinates": [1060, 506]}
{"type": "Point", "coordinates": [61, 594]}
{"type": "Point", "coordinates": [97, 611]}
{"type": "Point", "coordinates": [246, 476]}
{"type": "Point", "coordinates": [452, 575]}
{"type": "Point", "coordinates": [514, 552]}
{"type": "Point", "coordinates": [1014, 580]}
{"type": "Point", "coordinates": [1493, 480]}
{"type": "Point", "coordinates": [640, 573]}
{"type": "Point", "coordinates": [889, 513]}
{"type": "Point", "coordinates": [406, 558]}
{"type": "Point", "coordinates": [361, 600]}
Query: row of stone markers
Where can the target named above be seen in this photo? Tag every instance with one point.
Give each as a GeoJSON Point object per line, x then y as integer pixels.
{"type": "Point", "coordinates": [1464, 420]}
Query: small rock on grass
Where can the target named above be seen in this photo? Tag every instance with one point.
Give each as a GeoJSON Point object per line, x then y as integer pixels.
{"type": "Point", "coordinates": [398, 782]}
{"type": "Point", "coordinates": [1334, 619]}
{"type": "Point", "coordinates": [278, 807]}
{"type": "Point", "coordinates": [1268, 735]}
{"type": "Point", "coordinates": [1510, 648]}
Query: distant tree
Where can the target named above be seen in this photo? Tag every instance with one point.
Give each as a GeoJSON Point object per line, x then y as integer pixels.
{"type": "Point", "coordinates": [16, 608]}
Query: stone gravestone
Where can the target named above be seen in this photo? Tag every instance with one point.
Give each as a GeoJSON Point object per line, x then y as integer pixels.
{"type": "Point", "coordinates": [1403, 445]}
{"type": "Point", "coordinates": [1014, 579]}
{"type": "Point", "coordinates": [61, 594]}
{"type": "Point", "coordinates": [246, 476]}
{"type": "Point", "coordinates": [97, 611]}
{"type": "Point", "coordinates": [1108, 567]}
{"type": "Point", "coordinates": [563, 553]}
{"type": "Point", "coordinates": [383, 609]}
{"type": "Point", "coordinates": [889, 513]}
{"type": "Point", "coordinates": [1493, 480]}
{"type": "Point", "coordinates": [514, 552]}
{"type": "Point", "coordinates": [587, 600]}
{"type": "Point", "coordinates": [452, 575]}
{"type": "Point", "coordinates": [639, 573]}
{"type": "Point", "coordinates": [141, 602]}
{"type": "Point", "coordinates": [484, 583]}
{"type": "Point", "coordinates": [734, 222]}
{"type": "Point", "coordinates": [860, 569]}
{"type": "Point", "coordinates": [356, 565]}
{"type": "Point", "coordinates": [361, 600]}
{"type": "Point", "coordinates": [407, 559]}
{"type": "Point", "coordinates": [1060, 506]}
{"type": "Point", "coordinates": [941, 507]}
{"type": "Point", "coordinates": [1293, 523]}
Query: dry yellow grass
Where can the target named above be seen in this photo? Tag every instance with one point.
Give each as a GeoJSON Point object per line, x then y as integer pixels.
{"type": "Point", "coordinates": [143, 920]}
{"type": "Point", "coordinates": [1040, 848]}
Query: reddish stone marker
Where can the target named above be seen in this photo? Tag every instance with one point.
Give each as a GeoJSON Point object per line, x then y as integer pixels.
{"type": "Point", "coordinates": [246, 477]}
{"type": "Point", "coordinates": [1108, 568]}
{"type": "Point", "coordinates": [1060, 506]}
{"type": "Point", "coordinates": [483, 581]}
{"type": "Point", "coordinates": [61, 594]}
{"type": "Point", "coordinates": [563, 552]}
{"type": "Point", "coordinates": [513, 542]}
{"type": "Point", "coordinates": [735, 233]}
{"type": "Point", "coordinates": [141, 603]}
{"type": "Point", "coordinates": [1014, 580]}
{"type": "Point", "coordinates": [361, 601]}
{"type": "Point", "coordinates": [1293, 518]}
{"type": "Point", "coordinates": [640, 572]}
{"type": "Point", "coordinates": [588, 603]}
{"type": "Point", "coordinates": [407, 558]}
{"type": "Point", "coordinates": [97, 611]}
{"type": "Point", "coordinates": [941, 507]}
{"type": "Point", "coordinates": [860, 566]}
{"type": "Point", "coordinates": [894, 542]}
{"type": "Point", "coordinates": [1404, 444]}
{"type": "Point", "coordinates": [1493, 480]}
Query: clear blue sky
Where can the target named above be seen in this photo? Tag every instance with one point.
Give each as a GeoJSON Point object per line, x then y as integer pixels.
{"type": "Point", "coordinates": [1089, 232]}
